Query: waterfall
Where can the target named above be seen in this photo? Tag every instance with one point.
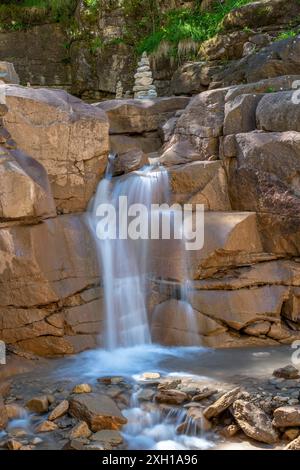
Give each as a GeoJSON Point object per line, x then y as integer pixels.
{"type": "Point", "coordinates": [125, 262]}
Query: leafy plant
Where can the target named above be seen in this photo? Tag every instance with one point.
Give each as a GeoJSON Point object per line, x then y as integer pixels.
{"type": "Point", "coordinates": [287, 35]}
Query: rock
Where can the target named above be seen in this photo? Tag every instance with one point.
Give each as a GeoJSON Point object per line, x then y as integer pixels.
{"type": "Point", "coordinates": [278, 112]}
{"type": "Point", "coordinates": [36, 440]}
{"type": "Point", "coordinates": [287, 372]}
{"type": "Point", "coordinates": [196, 420]}
{"type": "Point", "coordinates": [38, 404]}
{"type": "Point", "coordinates": [21, 174]}
{"type": "Point", "coordinates": [110, 437]}
{"type": "Point", "coordinates": [145, 394]}
{"type": "Point", "coordinates": [240, 114]}
{"type": "Point", "coordinates": [46, 426]}
{"type": "Point", "coordinates": [69, 137]}
{"type": "Point", "coordinates": [82, 388]}
{"type": "Point", "coordinates": [3, 414]}
{"type": "Point", "coordinates": [127, 162]}
{"type": "Point", "coordinates": [138, 116]}
{"type": "Point", "coordinates": [15, 411]}
{"type": "Point", "coordinates": [59, 410]}
{"type": "Point", "coordinates": [258, 328]}
{"type": "Point", "coordinates": [224, 402]}
{"type": "Point", "coordinates": [286, 416]}
{"type": "Point", "coordinates": [8, 73]}
{"type": "Point", "coordinates": [262, 86]}
{"type": "Point", "coordinates": [80, 430]}
{"type": "Point", "coordinates": [171, 397]}
{"type": "Point", "coordinates": [205, 393]}
{"type": "Point", "coordinates": [228, 46]}
{"type": "Point", "coordinates": [230, 431]}
{"type": "Point", "coordinates": [192, 77]}
{"type": "Point", "coordinates": [27, 447]}
{"type": "Point", "coordinates": [13, 444]}
{"type": "Point", "coordinates": [151, 376]}
{"type": "Point", "coordinates": [294, 445]}
{"type": "Point", "coordinates": [291, 434]}
{"type": "Point", "coordinates": [98, 411]}
{"type": "Point", "coordinates": [254, 422]}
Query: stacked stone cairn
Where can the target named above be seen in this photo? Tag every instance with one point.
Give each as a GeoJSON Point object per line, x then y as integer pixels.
{"type": "Point", "coordinates": [143, 86]}
{"type": "Point", "coordinates": [119, 90]}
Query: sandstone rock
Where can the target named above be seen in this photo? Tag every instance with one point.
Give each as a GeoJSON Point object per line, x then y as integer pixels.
{"type": "Point", "coordinates": [3, 414]}
{"type": "Point", "coordinates": [287, 372]}
{"type": "Point", "coordinates": [135, 116]}
{"type": "Point", "coordinates": [180, 150]}
{"type": "Point", "coordinates": [171, 397]}
{"type": "Point", "coordinates": [38, 404]}
{"type": "Point", "coordinates": [286, 416]}
{"type": "Point", "coordinates": [82, 388]}
{"type": "Point", "coordinates": [254, 422]}
{"type": "Point", "coordinates": [147, 142]}
{"type": "Point", "coordinates": [224, 46]}
{"type": "Point", "coordinates": [8, 73]}
{"type": "Point", "coordinates": [291, 434]}
{"type": "Point", "coordinates": [127, 162]}
{"type": "Point", "coordinates": [69, 137]}
{"type": "Point", "coordinates": [151, 375]}
{"type": "Point", "coordinates": [15, 411]}
{"type": "Point", "coordinates": [59, 410]}
{"type": "Point", "coordinates": [205, 393]}
{"type": "Point", "coordinates": [258, 328]}
{"type": "Point", "coordinates": [294, 445]}
{"type": "Point", "coordinates": [230, 431]}
{"type": "Point", "coordinates": [80, 430]}
{"type": "Point", "coordinates": [240, 114]}
{"type": "Point", "coordinates": [106, 437]}
{"type": "Point", "coordinates": [99, 411]}
{"type": "Point", "coordinates": [279, 112]}
{"type": "Point", "coordinates": [263, 86]}
{"type": "Point", "coordinates": [192, 78]}
{"type": "Point", "coordinates": [21, 175]}
{"type": "Point", "coordinates": [46, 426]}
{"type": "Point", "coordinates": [12, 444]}
{"type": "Point", "coordinates": [197, 421]}
{"type": "Point", "coordinates": [224, 402]}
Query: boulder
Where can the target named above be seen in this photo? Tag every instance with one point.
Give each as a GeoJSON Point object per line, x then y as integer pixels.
{"type": "Point", "coordinates": [138, 116]}
{"type": "Point", "coordinates": [240, 114]}
{"type": "Point", "coordinates": [258, 328]}
{"type": "Point", "coordinates": [126, 162]}
{"type": "Point", "coordinates": [286, 416]}
{"type": "Point", "coordinates": [254, 422]}
{"type": "Point", "coordinates": [294, 445]}
{"type": "Point", "coordinates": [171, 397]}
{"type": "Point", "coordinates": [25, 190]}
{"type": "Point", "coordinates": [147, 142]}
{"type": "Point", "coordinates": [98, 411]}
{"type": "Point", "coordinates": [59, 410]}
{"type": "Point", "coordinates": [69, 137]}
{"type": "Point", "coordinates": [279, 112]}
{"type": "Point", "coordinates": [224, 402]}
{"type": "Point", "coordinates": [288, 372]}
{"type": "Point", "coordinates": [265, 86]}
{"type": "Point", "coordinates": [38, 404]}
{"type": "Point", "coordinates": [192, 78]}
{"type": "Point", "coordinates": [8, 73]}
{"type": "Point", "coordinates": [80, 430]}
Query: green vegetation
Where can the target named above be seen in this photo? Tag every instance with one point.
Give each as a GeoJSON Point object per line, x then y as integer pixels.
{"type": "Point", "coordinates": [287, 34]}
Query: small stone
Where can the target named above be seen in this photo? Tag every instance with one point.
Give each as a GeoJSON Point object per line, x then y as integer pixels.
{"type": "Point", "coordinates": [151, 376]}
{"type": "Point", "coordinates": [94, 446]}
{"type": "Point", "coordinates": [51, 399]}
{"type": "Point", "coordinates": [108, 438]}
{"type": "Point", "coordinates": [27, 447]}
{"type": "Point", "coordinates": [80, 430]}
{"type": "Point", "coordinates": [230, 431]}
{"type": "Point", "coordinates": [46, 426]}
{"type": "Point", "coordinates": [36, 440]}
{"type": "Point", "coordinates": [82, 388]}
{"type": "Point", "coordinates": [59, 411]}
{"type": "Point", "coordinates": [291, 434]}
{"type": "Point", "coordinates": [12, 444]}
{"type": "Point", "coordinates": [287, 372]}
{"type": "Point", "coordinates": [18, 432]}
{"type": "Point", "coordinates": [111, 380]}
{"type": "Point", "coordinates": [205, 393]}
{"type": "Point", "coordinates": [38, 404]}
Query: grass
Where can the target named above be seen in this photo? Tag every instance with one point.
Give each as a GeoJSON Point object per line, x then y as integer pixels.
{"type": "Point", "coordinates": [287, 35]}
{"type": "Point", "coordinates": [187, 25]}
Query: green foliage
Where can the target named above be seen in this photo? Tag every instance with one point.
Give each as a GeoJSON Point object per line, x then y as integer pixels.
{"type": "Point", "coordinates": [188, 24]}
{"type": "Point", "coordinates": [96, 44]}
{"type": "Point", "coordinates": [287, 35]}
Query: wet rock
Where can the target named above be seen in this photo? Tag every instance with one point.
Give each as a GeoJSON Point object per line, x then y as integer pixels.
{"type": "Point", "coordinates": [108, 438]}
{"type": "Point", "coordinates": [98, 411]}
{"type": "Point", "coordinates": [13, 444]}
{"type": "Point", "coordinates": [146, 394]}
{"type": "Point", "coordinates": [205, 393]}
{"type": "Point", "coordinates": [196, 419]}
{"type": "Point", "coordinates": [171, 397]}
{"type": "Point", "coordinates": [94, 446]}
{"type": "Point", "coordinates": [169, 384]}
{"type": "Point", "coordinates": [294, 445]}
{"type": "Point", "coordinates": [76, 444]}
{"type": "Point", "coordinates": [46, 426]}
{"type": "Point", "coordinates": [38, 404]}
{"type": "Point", "coordinates": [3, 414]}
{"type": "Point", "coordinates": [254, 422]}
{"type": "Point", "coordinates": [59, 410]}
{"type": "Point", "coordinates": [18, 432]}
{"type": "Point", "coordinates": [82, 388]}
{"type": "Point", "coordinates": [80, 430]}
{"type": "Point", "coordinates": [287, 372]}
{"type": "Point", "coordinates": [36, 440]}
{"type": "Point", "coordinates": [111, 380]}
{"type": "Point", "coordinates": [287, 416]}
{"type": "Point", "coordinates": [224, 402]}
{"type": "Point", "coordinates": [15, 411]}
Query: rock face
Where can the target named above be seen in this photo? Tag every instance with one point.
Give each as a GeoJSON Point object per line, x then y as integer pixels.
{"type": "Point", "coordinates": [98, 411]}
{"type": "Point", "coordinates": [69, 137]}
{"type": "Point", "coordinates": [254, 422]}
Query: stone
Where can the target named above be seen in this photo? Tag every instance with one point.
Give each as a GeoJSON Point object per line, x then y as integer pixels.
{"type": "Point", "coordinates": [106, 437]}
{"type": "Point", "coordinates": [59, 410]}
{"type": "Point", "coordinates": [291, 434]}
{"type": "Point", "coordinates": [46, 426]}
{"type": "Point", "coordinates": [196, 420]}
{"type": "Point", "coordinates": [287, 372]}
{"type": "Point", "coordinates": [3, 414]}
{"type": "Point", "coordinates": [224, 402]}
{"type": "Point", "coordinates": [254, 422]}
{"type": "Point", "coordinates": [287, 416]}
{"type": "Point", "coordinates": [151, 376]}
{"type": "Point", "coordinates": [27, 447]}
{"type": "Point", "coordinates": [13, 444]}
{"type": "Point", "coordinates": [82, 388]}
{"type": "Point", "coordinates": [192, 77]}
{"type": "Point", "coordinates": [258, 328]}
{"type": "Point", "coordinates": [67, 136]}
{"type": "Point", "coordinates": [38, 404]}
{"type": "Point", "coordinates": [294, 445]}
{"type": "Point", "coordinates": [98, 411]}
{"type": "Point", "coordinates": [240, 114]}
{"type": "Point", "coordinates": [127, 162]}
{"type": "Point", "coordinates": [230, 431]}
{"type": "Point", "coordinates": [8, 73]}
{"type": "Point", "coordinates": [171, 397]}
{"type": "Point", "coordinates": [279, 112]}
{"type": "Point", "coordinates": [136, 117]}
{"type": "Point", "coordinates": [228, 46]}
{"type": "Point", "coordinates": [15, 411]}
{"type": "Point", "coordinates": [80, 430]}
{"type": "Point", "coordinates": [205, 393]}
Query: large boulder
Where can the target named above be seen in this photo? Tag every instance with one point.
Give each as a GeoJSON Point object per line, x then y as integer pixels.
{"type": "Point", "coordinates": [69, 137]}
{"type": "Point", "coordinates": [279, 112]}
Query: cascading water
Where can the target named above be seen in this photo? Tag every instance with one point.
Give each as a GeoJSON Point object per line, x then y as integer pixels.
{"type": "Point", "coordinates": [125, 262]}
